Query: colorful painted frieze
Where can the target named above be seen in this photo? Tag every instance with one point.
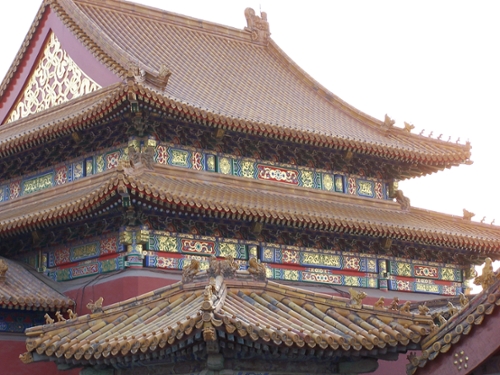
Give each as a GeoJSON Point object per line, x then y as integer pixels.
{"type": "Point", "coordinates": [196, 245]}
{"type": "Point", "coordinates": [61, 174]}
{"type": "Point", "coordinates": [188, 157]}
{"type": "Point", "coordinates": [83, 250]}
{"type": "Point", "coordinates": [322, 276]}
{"type": "Point", "coordinates": [178, 261]}
{"type": "Point", "coordinates": [405, 284]}
{"type": "Point", "coordinates": [410, 269]}
{"type": "Point", "coordinates": [87, 268]}
{"type": "Point", "coordinates": [317, 258]}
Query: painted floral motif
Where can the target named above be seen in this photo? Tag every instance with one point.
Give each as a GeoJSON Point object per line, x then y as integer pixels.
{"type": "Point", "coordinates": [268, 173]}
{"type": "Point", "coordinates": [352, 185]}
{"type": "Point", "coordinates": [378, 190]}
{"type": "Point", "coordinates": [108, 246]}
{"type": "Point", "coordinates": [15, 189]}
{"type": "Point", "coordinates": [197, 159]}
{"type": "Point", "coordinates": [61, 175]}
{"type": "Point", "coordinates": [225, 165]}
{"type": "Point", "coordinates": [197, 246]}
{"type": "Point", "coordinates": [327, 182]}
{"type": "Point", "coordinates": [289, 256]}
{"type": "Point", "coordinates": [351, 263]}
{"type": "Point", "coordinates": [403, 285]}
{"type": "Point", "coordinates": [112, 160]}
{"type": "Point", "coordinates": [161, 155]}
{"type": "Point", "coordinates": [424, 271]}
{"type": "Point", "coordinates": [247, 168]}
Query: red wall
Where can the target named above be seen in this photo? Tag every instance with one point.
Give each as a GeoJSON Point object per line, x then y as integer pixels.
{"type": "Point", "coordinates": [10, 364]}
{"type": "Point", "coordinates": [115, 290]}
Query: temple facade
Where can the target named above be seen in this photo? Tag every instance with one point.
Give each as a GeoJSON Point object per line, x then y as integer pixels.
{"type": "Point", "coordinates": [201, 205]}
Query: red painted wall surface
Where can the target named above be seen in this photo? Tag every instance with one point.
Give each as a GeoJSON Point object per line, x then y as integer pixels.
{"type": "Point", "coordinates": [11, 365]}
{"type": "Point", "coordinates": [115, 290]}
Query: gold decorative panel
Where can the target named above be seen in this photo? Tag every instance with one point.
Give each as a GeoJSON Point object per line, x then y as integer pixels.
{"type": "Point", "coordinates": [55, 80]}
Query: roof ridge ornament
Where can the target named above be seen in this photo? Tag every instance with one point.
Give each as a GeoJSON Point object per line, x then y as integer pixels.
{"type": "Point", "coordinates": [468, 215]}
{"type": "Point", "coordinates": [403, 201]}
{"type": "Point", "coordinates": [256, 269]}
{"type": "Point", "coordinates": [487, 277]}
{"type": "Point", "coordinates": [258, 27]}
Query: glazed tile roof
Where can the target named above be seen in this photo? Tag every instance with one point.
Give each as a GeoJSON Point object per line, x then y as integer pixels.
{"type": "Point", "coordinates": [190, 315]}
{"type": "Point", "coordinates": [62, 119]}
{"type": "Point", "coordinates": [220, 74]}
{"type": "Point", "coordinates": [458, 327]}
{"type": "Point", "coordinates": [22, 290]}
{"type": "Point", "coordinates": [228, 196]}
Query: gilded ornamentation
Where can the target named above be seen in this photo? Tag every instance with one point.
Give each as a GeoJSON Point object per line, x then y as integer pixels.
{"type": "Point", "coordinates": [452, 310]}
{"type": "Point", "coordinates": [356, 297]}
{"type": "Point", "coordinates": [48, 319]}
{"type": "Point", "coordinates": [406, 308]}
{"type": "Point", "coordinates": [307, 179]}
{"type": "Point", "coordinates": [96, 306]}
{"type": "Point", "coordinates": [36, 184]}
{"type": "Point", "coordinates": [468, 215]}
{"type": "Point", "coordinates": [327, 182]}
{"type": "Point", "coordinates": [379, 305]}
{"type": "Point", "coordinates": [321, 259]}
{"type": "Point", "coordinates": [190, 271]}
{"type": "Point", "coordinates": [167, 244]}
{"type": "Point", "coordinates": [55, 80]}
{"type": "Point", "coordinates": [388, 121]}
{"type": "Point", "coordinates": [247, 169]}
{"type": "Point", "coordinates": [26, 357]}
{"type": "Point", "coordinates": [228, 249]}
{"type": "Point", "coordinates": [394, 306]}
{"type": "Point", "coordinates": [464, 301]}
{"type": "Point", "coordinates": [226, 268]}
{"type": "Point", "coordinates": [225, 165]}
{"type": "Point", "coordinates": [339, 184]}
{"type": "Point", "coordinates": [365, 188]}
{"type": "Point", "coordinates": [59, 317]}
{"type": "Point", "coordinates": [180, 157]}
{"type": "Point", "coordinates": [256, 269]}
{"type": "Point", "coordinates": [257, 26]}
{"type": "Point", "coordinates": [409, 127]}
{"type": "Point", "coordinates": [71, 314]}
{"type": "Point", "coordinates": [487, 278]}
{"type": "Point", "coordinates": [461, 360]}
{"type": "Point", "coordinates": [423, 309]}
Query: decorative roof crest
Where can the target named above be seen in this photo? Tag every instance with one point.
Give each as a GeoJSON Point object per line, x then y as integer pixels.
{"type": "Point", "coordinates": [403, 201]}
{"type": "Point", "coordinates": [257, 26]}
{"type": "Point", "coordinates": [468, 215]}
{"type": "Point", "coordinates": [257, 269]}
{"type": "Point", "coordinates": [226, 267]}
{"type": "Point", "coordinates": [487, 278]}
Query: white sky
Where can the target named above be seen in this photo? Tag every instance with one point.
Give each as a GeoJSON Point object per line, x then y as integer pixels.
{"type": "Point", "coordinates": [435, 64]}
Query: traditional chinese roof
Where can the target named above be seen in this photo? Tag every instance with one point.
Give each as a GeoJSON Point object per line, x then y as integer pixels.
{"type": "Point", "coordinates": [19, 289]}
{"type": "Point", "coordinates": [445, 349]}
{"type": "Point", "coordinates": [250, 316]}
{"type": "Point", "coordinates": [227, 78]}
{"type": "Point", "coordinates": [219, 195]}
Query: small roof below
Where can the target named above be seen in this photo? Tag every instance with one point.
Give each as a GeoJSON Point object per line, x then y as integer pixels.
{"type": "Point", "coordinates": [220, 308]}
{"type": "Point", "coordinates": [20, 289]}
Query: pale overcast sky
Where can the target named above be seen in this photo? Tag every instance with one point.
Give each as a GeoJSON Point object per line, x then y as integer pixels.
{"type": "Point", "coordinates": [435, 64]}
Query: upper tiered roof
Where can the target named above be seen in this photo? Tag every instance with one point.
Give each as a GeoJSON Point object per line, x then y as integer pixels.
{"type": "Point", "coordinates": [230, 78]}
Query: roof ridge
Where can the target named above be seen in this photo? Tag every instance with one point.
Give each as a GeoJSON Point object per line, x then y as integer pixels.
{"type": "Point", "coordinates": [172, 18]}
